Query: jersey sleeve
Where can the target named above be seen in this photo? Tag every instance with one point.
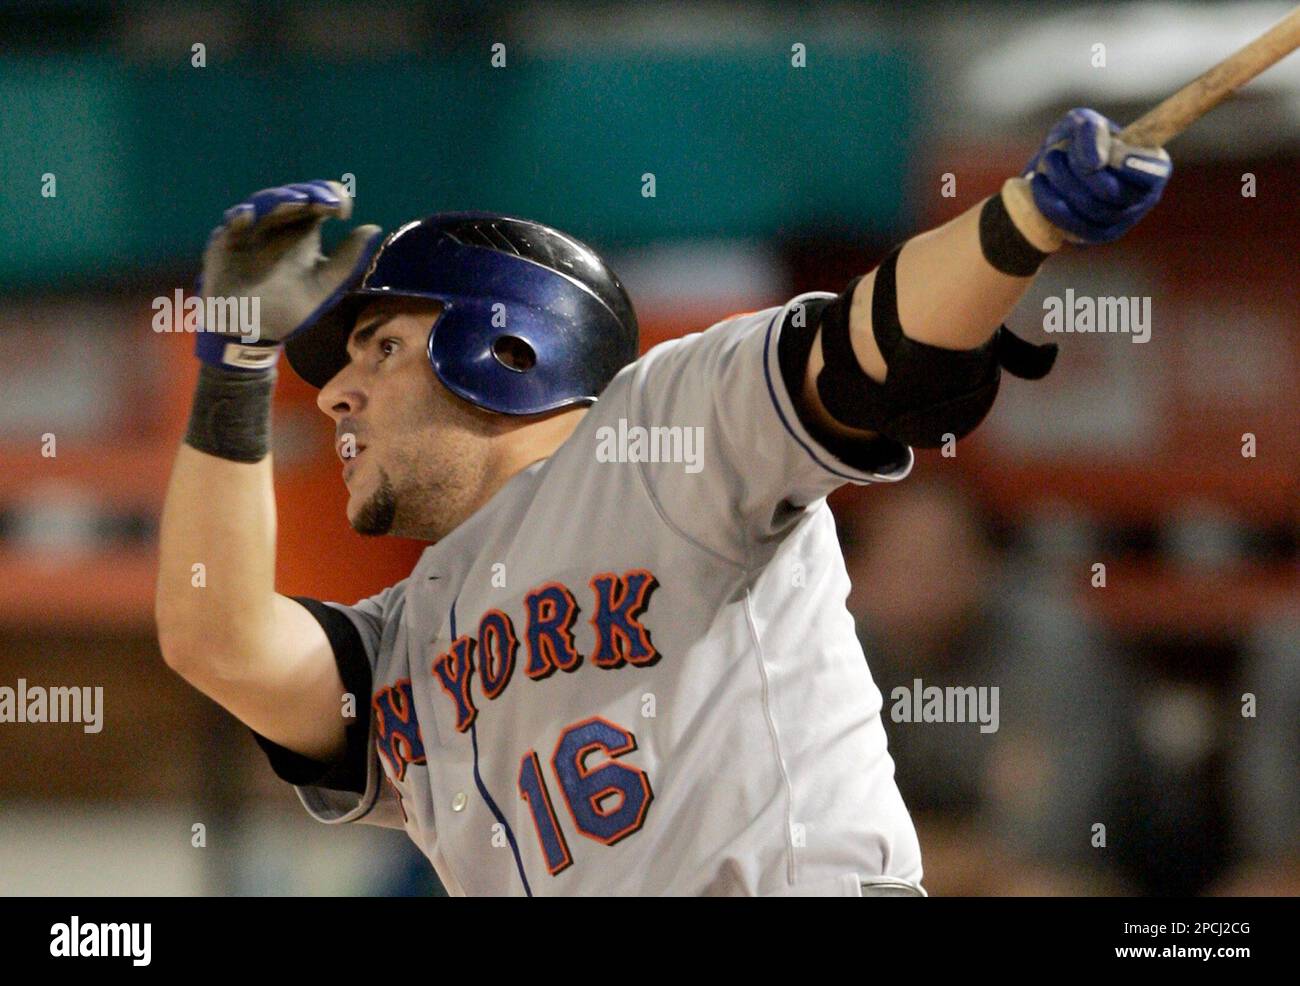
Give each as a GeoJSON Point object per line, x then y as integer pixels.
{"type": "Point", "coordinates": [350, 789]}
{"type": "Point", "coordinates": [732, 397]}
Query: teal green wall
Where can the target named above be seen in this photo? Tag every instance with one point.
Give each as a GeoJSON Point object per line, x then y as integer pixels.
{"type": "Point", "coordinates": [740, 143]}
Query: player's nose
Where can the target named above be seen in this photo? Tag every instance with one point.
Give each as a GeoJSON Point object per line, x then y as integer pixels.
{"type": "Point", "coordinates": [341, 395]}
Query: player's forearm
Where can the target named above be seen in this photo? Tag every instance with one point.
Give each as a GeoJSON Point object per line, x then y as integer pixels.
{"type": "Point", "coordinates": [946, 291]}
{"type": "Point", "coordinates": [917, 354]}
{"type": "Point", "coordinates": [957, 284]}
{"type": "Point", "coordinates": [216, 577]}
{"type": "Point", "coordinates": [949, 295]}
{"type": "Point", "coordinates": [216, 573]}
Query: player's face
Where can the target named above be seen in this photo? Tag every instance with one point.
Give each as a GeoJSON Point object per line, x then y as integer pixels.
{"type": "Point", "coordinates": [413, 453]}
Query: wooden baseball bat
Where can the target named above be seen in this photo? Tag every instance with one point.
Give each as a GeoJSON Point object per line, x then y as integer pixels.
{"type": "Point", "coordinates": [1175, 114]}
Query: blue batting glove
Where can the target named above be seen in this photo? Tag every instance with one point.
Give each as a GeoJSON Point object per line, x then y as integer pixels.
{"type": "Point", "coordinates": [1090, 184]}
{"type": "Point", "coordinates": [268, 248]}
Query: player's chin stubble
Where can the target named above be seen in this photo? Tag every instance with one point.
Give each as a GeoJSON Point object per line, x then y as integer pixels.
{"type": "Point", "coordinates": [377, 514]}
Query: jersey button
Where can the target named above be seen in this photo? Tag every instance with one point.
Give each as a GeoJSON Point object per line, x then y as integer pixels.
{"type": "Point", "coordinates": [458, 802]}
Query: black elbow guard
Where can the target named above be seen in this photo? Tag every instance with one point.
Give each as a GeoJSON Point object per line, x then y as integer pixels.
{"type": "Point", "coordinates": [929, 392]}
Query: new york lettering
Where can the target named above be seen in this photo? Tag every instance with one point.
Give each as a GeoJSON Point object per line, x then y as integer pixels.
{"type": "Point", "coordinates": [492, 654]}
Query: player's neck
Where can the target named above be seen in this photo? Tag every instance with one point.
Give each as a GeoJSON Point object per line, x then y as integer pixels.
{"type": "Point", "coordinates": [525, 443]}
{"type": "Point", "coordinates": [530, 441]}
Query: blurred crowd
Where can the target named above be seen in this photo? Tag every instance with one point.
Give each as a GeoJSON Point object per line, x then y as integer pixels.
{"type": "Point", "coordinates": [1106, 774]}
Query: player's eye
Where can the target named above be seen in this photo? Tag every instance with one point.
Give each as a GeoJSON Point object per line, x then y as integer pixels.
{"type": "Point", "coordinates": [387, 347]}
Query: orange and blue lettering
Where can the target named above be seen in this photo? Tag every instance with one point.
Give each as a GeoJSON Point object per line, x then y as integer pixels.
{"type": "Point", "coordinates": [620, 636]}
{"type": "Point", "coordinates": [397, 732]}
{"type": "Point", "coordinates": [454, 670]}
{"type": "Point", "coordinates": [533, 790]}
{"type": "Point", "coordinates": [551, 612]}
{"type": "Point", "coordinates": [586, 790]}
{"type": "Point", "coordinates": [497, 645]}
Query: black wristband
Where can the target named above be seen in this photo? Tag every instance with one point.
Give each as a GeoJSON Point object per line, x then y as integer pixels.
{"type": "Point", "coordinates": [231, 415]}
{"type": "Point", "coordinates": [1002, 243]}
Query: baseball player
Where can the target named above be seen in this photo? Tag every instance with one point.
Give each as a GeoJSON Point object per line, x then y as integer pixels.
{"type": "Point", "coordinates": [623, 665]}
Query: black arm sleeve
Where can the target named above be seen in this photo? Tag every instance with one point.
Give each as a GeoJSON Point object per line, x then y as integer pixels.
{"type": "Point", "coordinates": [793, 350]}
{"type": "Point", "coordinates": [349, 772]}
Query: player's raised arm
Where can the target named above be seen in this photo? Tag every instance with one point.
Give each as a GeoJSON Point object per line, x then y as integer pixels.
{"type": "Point", "coordinates": [262, 656]}
{"type": "Point", "coordinates": [916, 355]}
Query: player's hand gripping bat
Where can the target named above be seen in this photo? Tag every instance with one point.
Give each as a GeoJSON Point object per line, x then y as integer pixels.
{"type": "Point", "coordinates": [1165, 121]}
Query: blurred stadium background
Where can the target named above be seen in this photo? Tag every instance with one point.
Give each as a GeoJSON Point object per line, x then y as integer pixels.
{"type": "Point", "coordinates": [1120, 705]}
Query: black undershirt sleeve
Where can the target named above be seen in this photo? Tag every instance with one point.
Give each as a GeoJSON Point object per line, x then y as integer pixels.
{"type": "Point", "coordinates": [349, 772]}
{"type": "Point", "coordinates": [793, 350]}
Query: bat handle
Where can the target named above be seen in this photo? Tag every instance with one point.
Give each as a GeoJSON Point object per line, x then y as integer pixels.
{"type": "Point", "coordinates": [1018, 198]}
{"type": "Point", "coordinates": [1143, 133]}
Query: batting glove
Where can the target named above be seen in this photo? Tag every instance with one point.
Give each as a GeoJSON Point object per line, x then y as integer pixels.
{"type": "Point", "coordinates": [268, 247]}
{"type": "Point", "coordinates": [1090, 184]}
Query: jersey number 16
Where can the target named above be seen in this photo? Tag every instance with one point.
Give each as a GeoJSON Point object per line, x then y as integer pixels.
{"type": "Point", "coordinates": [607, 803]}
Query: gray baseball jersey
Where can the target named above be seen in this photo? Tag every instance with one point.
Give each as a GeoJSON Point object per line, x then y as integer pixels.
{"type": "Point", "coordinates": [632, 670]}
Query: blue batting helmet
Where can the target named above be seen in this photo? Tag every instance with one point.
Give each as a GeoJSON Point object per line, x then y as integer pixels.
{"type": "Point", "coordinates": [532, 319]}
